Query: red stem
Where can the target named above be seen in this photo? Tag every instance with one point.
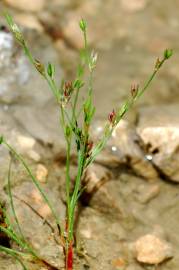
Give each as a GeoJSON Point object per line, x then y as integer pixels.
{"type": "Point", "coordinates": [69, 262]}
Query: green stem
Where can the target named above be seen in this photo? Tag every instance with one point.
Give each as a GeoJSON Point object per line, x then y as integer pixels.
{"type": "Point", "coordinates": [124, 109]}
{"type": "Point", "coordinates": [74, 105]}
{"type": "Point", "coordinates": [29, 55]}
{"type": "Point", "coordinates": [35, 181]}
{"type": "Point", "coordinates": [68, 176]}
{"type": "Point", "coordinates": [49, 80]}
{"type": "Point", "coordinates": [54, 88]}
{"type": "Point", "coordinates": [148, 82]}
{"type": "Point", "coordinates": [86, 48]}
{"type": "Point", "coordinates": [14, 237]}
{"type": "Point", "coordinates": [14, 254]}
{"type": "Point", "coordinates": [11, 201]}
{"type": "Point", "coordinates": [75, 193]}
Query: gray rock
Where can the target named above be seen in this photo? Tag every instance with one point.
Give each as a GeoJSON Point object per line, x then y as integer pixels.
{"type": "Point", "coordinates": [158, 127]}
{"type": "Point", "coordinates": [31, 103]}
{"type": "Point", "coordinates": [125, 147]}
{"type": "Point", "coordinates": [34, 228]}
{"type": "Point", "coordinates": [14, 69]}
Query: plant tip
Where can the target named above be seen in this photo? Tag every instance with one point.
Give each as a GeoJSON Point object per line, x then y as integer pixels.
{"type": "Point", "coordinates": [51, 70]}
{"type": "Point", "coordinates": [112, 117]}
{"type": "Point", "coordinates": [168, 53]}
{"type": "Point", "coordinates": [134, 90]}
{"type": "Point", "coordinates": [83, 25]}
{"type": "Point", "coordinates": [15, 29]}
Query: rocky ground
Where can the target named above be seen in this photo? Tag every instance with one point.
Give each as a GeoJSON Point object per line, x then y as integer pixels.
{"type": "Point", "coordinates": [128, 215]}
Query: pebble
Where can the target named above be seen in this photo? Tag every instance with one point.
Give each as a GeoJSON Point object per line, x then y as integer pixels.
{"type": "Point", "coordinates": [25, 146]}
{"type": "Point", "coordinates": [119, 263]}
{"type": "Point", "coordinates": [26, 5]}
{"type": "Point", "coordinates": [34, 155]}
{"type": "Point", "coordinates": [151, 249]}
{"type": "Point", "coordinates": [28, 21]}
{"type": "Point", "coordinates": [41, 173]}
{"type": "Point", "coordinates": [25, 143]}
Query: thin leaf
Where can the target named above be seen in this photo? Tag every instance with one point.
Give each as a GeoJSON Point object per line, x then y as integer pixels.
{"type": "Point", "coordinates": [14, 254]}
{"type": "Point", "coordinates": [35, 181]}
{"type": "Point", "coordinates": [11, 201]}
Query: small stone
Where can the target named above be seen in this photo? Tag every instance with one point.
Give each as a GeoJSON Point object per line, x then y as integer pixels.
{"type": "Point", "coordinates": [118, 263]}
{"type": "Point", "coordinates": [41, 173]}
{"type": "Point", "coordinates": [26, 5]}
{"type": "Point", "coordinates": [25, 146]}
{"type": "Point", "coordinates": [150, 249]}
{"type": "Point", "coordinates": [25, 143]}
{"type": "Point", "coordinates": [28, 21]}
{"type": "Point", "coordinates": [34, 155]}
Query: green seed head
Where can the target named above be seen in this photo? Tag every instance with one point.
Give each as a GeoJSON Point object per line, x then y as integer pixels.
{"type": "Point", "coordinates": [15, 29]}
{"type": "Point", "coordinates": [83, 25]}
{"type": "Point", "coordinates": [51, 70]}
{"type": "Point", "coordinates": [168, 53]}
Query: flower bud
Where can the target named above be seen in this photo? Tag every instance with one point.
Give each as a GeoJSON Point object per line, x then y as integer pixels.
{"type": "Point", "coordinates": [89, 146]}
{"type": "Point", "coordinates": [83, 25]}
{"type": "Point", "coordinates": [93, 60]}
{"type": "Point", "coordinates": [78, 84]}
{"type": "Point", "coordinates": [68, 89]}
{"type": "Point", "coordinates": [67, 131]}
{"type": "Point", "coordinates": [112, 117]}
{"type": "Point", "coordinates": [15, 29]}
{"type": "Point", "coordinates": [134, 90]}
{"type": "Point", "coordinates": [51, 70]}
{"type": "Point", "coordinates": [168, 53]}
{"type": "Point", "coordinates": [40, 67]}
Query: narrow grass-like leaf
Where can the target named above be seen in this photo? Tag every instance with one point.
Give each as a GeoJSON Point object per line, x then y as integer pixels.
{"type": "Point", "coordinates": [15, 254]}
{"type": "Point", "coordinates": [11, 201]}
{"type": "Point", "coordinates": [12, 235]}
{"type": "Point", "coordinates": [35, 181]}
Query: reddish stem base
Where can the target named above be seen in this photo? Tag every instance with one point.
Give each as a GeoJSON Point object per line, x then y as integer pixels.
{"type": "Point", "coordinates": [69, 259]}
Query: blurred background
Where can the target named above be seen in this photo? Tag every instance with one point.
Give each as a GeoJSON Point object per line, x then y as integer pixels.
{"type": "Point", "coordinates": [129, 36]}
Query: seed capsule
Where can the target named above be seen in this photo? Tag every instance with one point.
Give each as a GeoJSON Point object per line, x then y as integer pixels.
{"type": "Point", "coordinates": [112, 117]}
